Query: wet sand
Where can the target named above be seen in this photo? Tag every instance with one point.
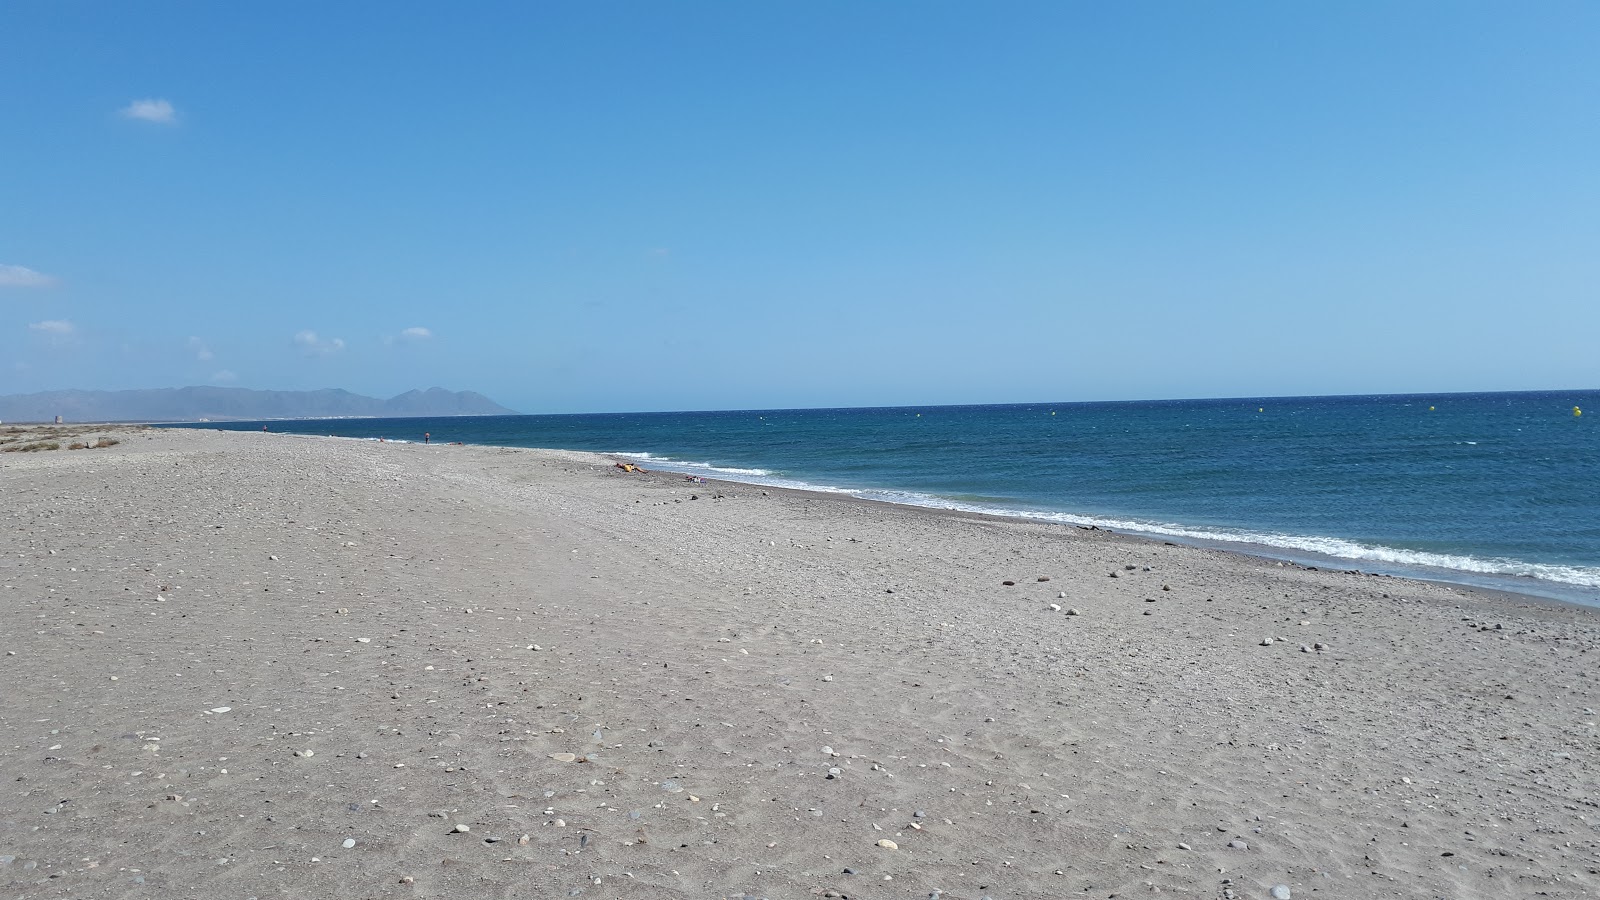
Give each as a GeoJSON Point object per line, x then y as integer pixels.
{"type": "Point", "coordinates": [514, 673]}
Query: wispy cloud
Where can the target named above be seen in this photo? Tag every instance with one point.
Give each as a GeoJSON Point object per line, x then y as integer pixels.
{"type": "Point", "coordinates": [151, 110]}
{"type": "Point", "coordinates": [54, 327]}
{"type": "Point", "coordinates": [201, 351]}
{"type": "Point", "coordinates": [311, 345]}
{"type": "Point", "coordinates": [224, 377]}
{"type": "Point", "coordinates": [409, 336]}
{"type": "Point", "coordinates": [55, 332]}
{"type": "Point", "coordinates": [23, 277]}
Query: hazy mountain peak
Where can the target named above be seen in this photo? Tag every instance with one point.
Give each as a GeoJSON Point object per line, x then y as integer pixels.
{"type": "Point", "coordinates": [188, 404]}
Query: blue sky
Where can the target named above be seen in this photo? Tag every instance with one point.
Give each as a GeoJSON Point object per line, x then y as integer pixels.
{"type": "Point", "coordinates": [629, 206]}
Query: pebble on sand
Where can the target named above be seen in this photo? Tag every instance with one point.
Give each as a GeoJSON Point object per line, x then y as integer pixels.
{"type": "Point", "coordinates": [348, 843]}
{"type": "Point", "coordinates": [1280, 892]}
{"type": "Point", "coordinates": [888, 844]}
{"type": "Point", "coordinates": [461, 828]}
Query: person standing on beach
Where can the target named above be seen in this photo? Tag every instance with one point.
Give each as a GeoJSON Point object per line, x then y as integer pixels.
{"type": "Point", "coordinates": [426, 437]}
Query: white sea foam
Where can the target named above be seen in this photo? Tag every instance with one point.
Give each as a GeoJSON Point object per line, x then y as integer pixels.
{"type": "Point", "coordinates": [695, 468]}
{"type": "Point", "coordinates": [1577, 576]}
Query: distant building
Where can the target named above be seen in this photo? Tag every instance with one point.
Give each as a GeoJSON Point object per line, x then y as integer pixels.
{"type": "Point", "coordinates": [58, 420]}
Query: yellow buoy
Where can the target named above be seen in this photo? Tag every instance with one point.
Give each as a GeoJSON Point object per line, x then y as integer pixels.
{"type": "Point", "coordinates": [1052, 412]}
{"type": "Point", "coordinates": [1430, 409]}
{"type": "Point", "coordinates": [1261, 409]}
{"type": "Point", "coordinates": [1576, 411]}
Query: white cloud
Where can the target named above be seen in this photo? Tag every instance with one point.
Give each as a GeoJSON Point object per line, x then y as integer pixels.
{"type": "Point", "coordinates": [201, 351]}
{"type": "Point", "coordinates": [311, 345]}
{"type": "Point", "coordinates": [151, 110]}
{"type": "Point", "coordinates": [410, 335]}
{"type": "Point", "coordinates": [54, 327]}
{"type": "Point", "coordinates": [224, 377]}
{"type": "Point", "coordinates": [22, 276]}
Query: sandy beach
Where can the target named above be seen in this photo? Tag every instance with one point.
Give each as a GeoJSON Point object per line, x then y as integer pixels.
{"type": "Point", "coordinates": [252, 665]}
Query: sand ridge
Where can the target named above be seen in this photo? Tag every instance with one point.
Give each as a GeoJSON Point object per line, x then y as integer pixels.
{"type": "Point", "coordinates": [228, 654]}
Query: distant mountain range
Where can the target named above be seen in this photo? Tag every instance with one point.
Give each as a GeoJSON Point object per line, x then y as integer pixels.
{"type": "Point", "coordinates": [192, 404]}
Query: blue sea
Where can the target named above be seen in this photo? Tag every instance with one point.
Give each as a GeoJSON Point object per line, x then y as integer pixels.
{"type": "Point", "coordinates": [1499, 490]}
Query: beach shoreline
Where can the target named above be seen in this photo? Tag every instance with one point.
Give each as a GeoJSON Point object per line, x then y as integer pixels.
{"type": "Point", "coordinates": [234, 652]}
{"type": "Point", "coordinates": [1392, 500]}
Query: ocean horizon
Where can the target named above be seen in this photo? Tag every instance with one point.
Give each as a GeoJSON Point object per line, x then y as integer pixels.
{"type": "Point", "coordinates": [1497, 490]}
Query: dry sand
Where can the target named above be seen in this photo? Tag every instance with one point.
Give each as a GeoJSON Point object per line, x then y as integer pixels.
{"type": "Point", "coordinates": [507, 673]}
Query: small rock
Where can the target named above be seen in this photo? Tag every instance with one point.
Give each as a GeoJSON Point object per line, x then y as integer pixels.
{"type": "Point", "coordinates": [461, 828]}
{"type": "Point", "coordinates": [1073, 611]}
{"type": "Point", "coordinates": [305, 753]}
{"type": "Point", "coordinates": [1055, 607]}
{"type": "Point", "coordinates": [827, 678]}
{"type": "Point", "coordinates": [888, 844]}
{"type": "Point", "coordinates": [1182, 846]}
{"type": "Point", "coordinates": [564, 757]}
{"type": "Point", "coordinates": [1280, 892]}
{"type": "Point", "coordinates": [1238, 845]}
{"type": "Point", "coordinates": [349, 843]}
{"type": "Point", "coordinates": [1266, 642]}
{"type": "Point", "coordinates": [222, 709]}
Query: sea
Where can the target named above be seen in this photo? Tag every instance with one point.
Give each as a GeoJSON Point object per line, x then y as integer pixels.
{"type": "Point", "coordinates": [1498, 490]}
